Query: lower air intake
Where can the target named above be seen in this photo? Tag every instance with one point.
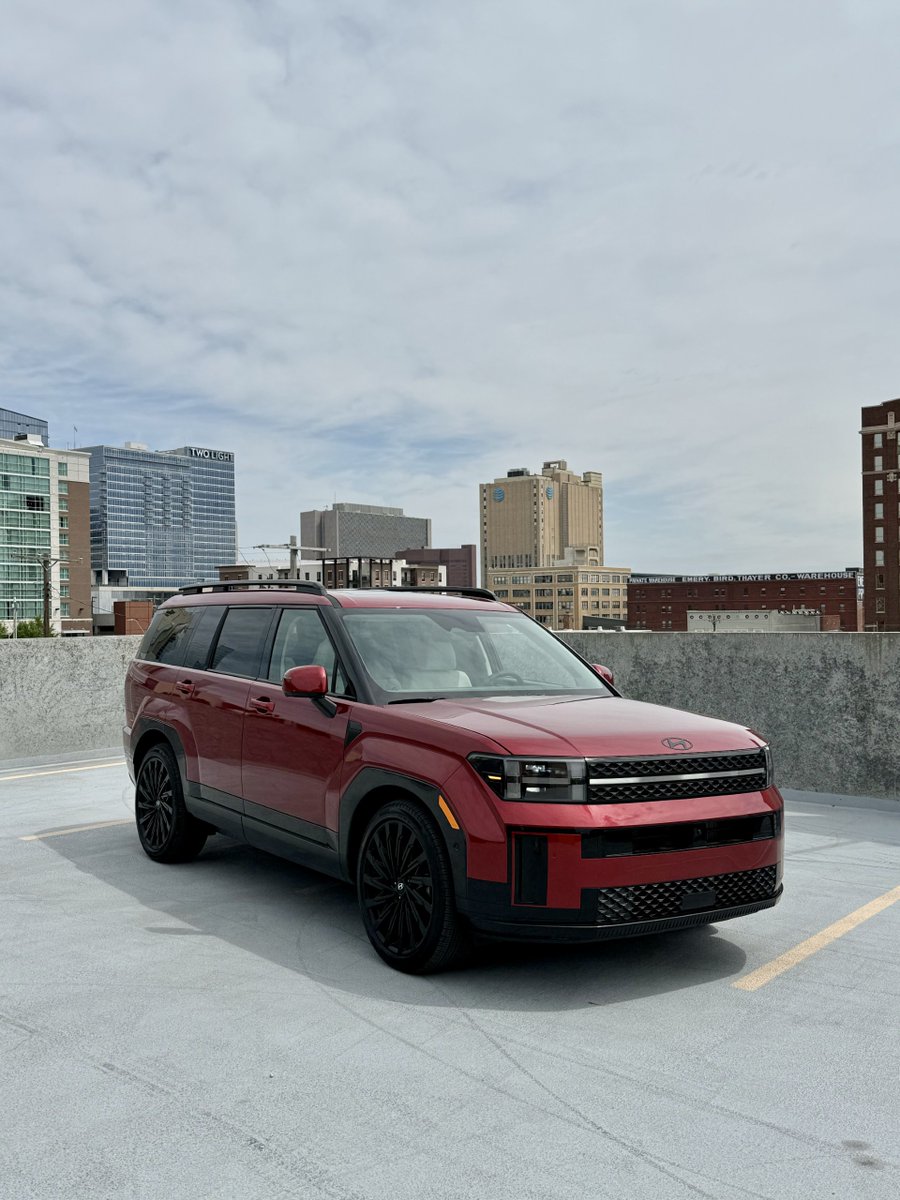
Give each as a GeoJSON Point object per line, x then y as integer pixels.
{"type": "Point", "coordinates": [673, 898]}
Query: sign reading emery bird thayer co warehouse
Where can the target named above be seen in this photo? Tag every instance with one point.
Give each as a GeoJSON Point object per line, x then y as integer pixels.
{"type": "Point", "coordinates": [742, 578]}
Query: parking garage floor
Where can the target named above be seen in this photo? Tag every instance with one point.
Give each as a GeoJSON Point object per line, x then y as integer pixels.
{"type": "Point", "coordinates": [223, 1029]}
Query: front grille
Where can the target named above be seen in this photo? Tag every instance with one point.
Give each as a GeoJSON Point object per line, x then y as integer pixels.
{"type": "Point", "coordinates": [673, 898]}
{"type": "Point", "coordinates": [686, 835]}
{"type": "Point", "coordinates": [629, 780]}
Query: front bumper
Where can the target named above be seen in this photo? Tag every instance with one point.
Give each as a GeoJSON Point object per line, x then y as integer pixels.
{"type": "Point", "coordinates": [558, 889]}
{"type": "Point", "coordinates": [554, 930]}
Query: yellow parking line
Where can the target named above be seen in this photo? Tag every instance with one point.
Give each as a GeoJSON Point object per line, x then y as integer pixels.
{"type": "Point", "coordinates": [764, 974]}
{"type": "Point", "coordinates": [39, 837]}
{"type": "Point", "coordinates": [62, 771]}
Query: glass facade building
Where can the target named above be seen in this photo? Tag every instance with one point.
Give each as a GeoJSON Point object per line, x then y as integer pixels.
{"type": "Point", "coordinates": [160, 519]}
{"type": "Point", "coordinates": [14, 423]}
{"type": "Point", "coordinates": [25, 536]}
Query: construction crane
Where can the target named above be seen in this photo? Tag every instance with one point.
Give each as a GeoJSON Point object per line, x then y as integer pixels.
{"type": "Point", "coordinates": [291, 545]}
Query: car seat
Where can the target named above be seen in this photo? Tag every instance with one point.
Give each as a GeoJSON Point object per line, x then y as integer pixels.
{"type": "Point", "coordinates": [434, 667]}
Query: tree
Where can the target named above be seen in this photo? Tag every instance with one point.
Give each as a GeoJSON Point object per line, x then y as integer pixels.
{"type": "Point", "coordinates": [32, 629]}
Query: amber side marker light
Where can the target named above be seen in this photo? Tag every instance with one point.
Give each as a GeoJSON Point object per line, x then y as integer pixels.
{"type": "Point", "coordinates": [445, 809]}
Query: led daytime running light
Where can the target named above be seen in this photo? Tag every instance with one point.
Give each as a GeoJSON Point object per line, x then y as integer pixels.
{"type": "Point", "coordinates": [557, 780]}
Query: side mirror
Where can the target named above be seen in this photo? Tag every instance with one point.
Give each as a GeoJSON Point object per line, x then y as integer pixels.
{"type": "Point", "coordinates": [604, 673]}
{"type": "Point", "coordinates": [309, 682]}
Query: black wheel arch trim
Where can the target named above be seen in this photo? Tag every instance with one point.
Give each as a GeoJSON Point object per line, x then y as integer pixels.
{"type": "Point", "coordinates": [145, 725]}
{"type": "Point", "coordinates": [374, 780]}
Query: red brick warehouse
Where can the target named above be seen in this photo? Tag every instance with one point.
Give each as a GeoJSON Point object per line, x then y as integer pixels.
{"type": "Point", "coordinates": [662, 602]}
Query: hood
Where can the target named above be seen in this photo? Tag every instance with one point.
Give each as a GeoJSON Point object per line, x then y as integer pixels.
{"type": "Point", "coordinates": [589, 727]}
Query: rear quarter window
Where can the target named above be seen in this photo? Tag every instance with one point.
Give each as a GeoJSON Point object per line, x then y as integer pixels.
{"type": "Point", "coordinates": [203, 632]}
{"type": "Point", "coordinates": [166, 639]}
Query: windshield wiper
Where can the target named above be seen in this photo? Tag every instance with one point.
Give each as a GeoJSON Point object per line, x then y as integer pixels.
{"type": "Point", "coordinates": [417, 700]}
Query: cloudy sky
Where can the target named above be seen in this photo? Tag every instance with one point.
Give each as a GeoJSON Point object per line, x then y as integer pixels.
{"type": "Point", "coordinates": [387, 249]}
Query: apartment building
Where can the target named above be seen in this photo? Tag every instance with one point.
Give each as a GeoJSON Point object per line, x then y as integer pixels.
{"type": "Point", "coordinates": [45, 535]}
{"type": "Point", "coordinates": [881, 516]}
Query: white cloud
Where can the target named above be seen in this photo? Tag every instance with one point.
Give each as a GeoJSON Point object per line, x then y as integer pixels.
{"type": "Point", "coordinates": [385, 251]}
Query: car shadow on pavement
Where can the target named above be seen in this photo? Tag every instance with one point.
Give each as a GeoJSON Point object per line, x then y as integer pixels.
{"type": "Point", "coordinates": [310, 924]}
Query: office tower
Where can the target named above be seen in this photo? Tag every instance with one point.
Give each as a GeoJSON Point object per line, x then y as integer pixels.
{"type": "Point", "coordinates": [362, 531]}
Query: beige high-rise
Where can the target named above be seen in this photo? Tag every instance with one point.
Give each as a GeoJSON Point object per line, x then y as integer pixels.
{"type": "Point", "coordinates": [534, 520]}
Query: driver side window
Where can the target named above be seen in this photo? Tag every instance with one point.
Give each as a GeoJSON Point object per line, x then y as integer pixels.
{"type": "Point", "coordinates": [302, 640]}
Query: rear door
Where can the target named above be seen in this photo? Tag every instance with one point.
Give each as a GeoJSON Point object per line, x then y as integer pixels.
{"type": "Point", "coordinates": [293, 749]}
{"type": "Point", "coordinates": [217, 700]}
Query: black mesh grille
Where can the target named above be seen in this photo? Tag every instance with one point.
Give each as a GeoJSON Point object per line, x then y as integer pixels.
{"type": "Point", "coordinates": [678, 764]}
{"type": "Point", "coordinates": [651, 787]}
{"type": "Point", "coordinates": [653, 901]}
{"type": "Point", "coordinates": [688, 835]}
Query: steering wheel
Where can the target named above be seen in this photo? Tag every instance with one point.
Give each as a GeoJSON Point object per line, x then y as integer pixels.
{"type": "Point", "coordinates": [505, 677]}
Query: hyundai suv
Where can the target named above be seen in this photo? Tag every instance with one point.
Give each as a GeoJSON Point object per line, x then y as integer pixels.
{"type": "Point", "coordinates": [456, 762]}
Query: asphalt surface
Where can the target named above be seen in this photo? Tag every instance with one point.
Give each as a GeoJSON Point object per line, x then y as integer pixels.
{"type": "Point", "coordinates": [223, 1029]}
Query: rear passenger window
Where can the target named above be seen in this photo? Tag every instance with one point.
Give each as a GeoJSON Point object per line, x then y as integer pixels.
{"type": "Point", "coordinates": [166, 639]}
{"type": "Point", "coordinates": [203, 630]}
{"type": "Point", "coordinates": [240, 641]}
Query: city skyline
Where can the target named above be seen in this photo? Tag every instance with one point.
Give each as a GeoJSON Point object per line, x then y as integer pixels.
{"type": "Point", "coordinates": [403, 256]}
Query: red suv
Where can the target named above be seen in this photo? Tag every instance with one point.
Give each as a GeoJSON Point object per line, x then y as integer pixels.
{"type": "Point", "coordinates": [451, 758]}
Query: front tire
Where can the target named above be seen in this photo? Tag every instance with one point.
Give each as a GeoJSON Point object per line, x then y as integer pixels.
{"type": "Point", "coordinates": [405, 890]}
{"type": "Point", "coordinates": [167, 831]}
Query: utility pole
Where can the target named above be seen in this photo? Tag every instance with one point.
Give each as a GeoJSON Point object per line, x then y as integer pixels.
{"type": "Point", "coordinates": [46, 564]}
{"type": "Point", "coordinates": [45, 567]}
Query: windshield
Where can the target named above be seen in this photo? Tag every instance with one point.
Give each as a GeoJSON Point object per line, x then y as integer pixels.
{"type": "Point", "coordinates": [441, 652]}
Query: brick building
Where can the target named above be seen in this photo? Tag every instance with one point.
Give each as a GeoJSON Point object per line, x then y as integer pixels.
{"type": "Point", "coordinates": [662, 602]}
{"type": "Point", "coordinates": [881, 516]}
{"type": "Point", "coordinates": [459, 561]}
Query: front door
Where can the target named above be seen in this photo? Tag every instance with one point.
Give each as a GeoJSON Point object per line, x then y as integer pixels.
{"type": "Point", "coordinates": [293, 750]}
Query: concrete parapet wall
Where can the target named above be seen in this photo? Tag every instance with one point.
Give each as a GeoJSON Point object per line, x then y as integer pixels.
{"type": "Point", "coordinates": [62, 694]}
{"type": "Point", "coordinates": [829, 703]}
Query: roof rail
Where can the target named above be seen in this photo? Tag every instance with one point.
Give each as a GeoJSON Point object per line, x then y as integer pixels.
{"type": "Point", "coordinates": [237, 585]}
{"type": "Point", "coordinates": [472, 593]}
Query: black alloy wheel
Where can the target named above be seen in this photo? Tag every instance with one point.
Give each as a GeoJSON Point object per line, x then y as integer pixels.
{"type": "Point", "coordinates": [405, 890]}
{"type": "Point", "coordinates": [167, 831]}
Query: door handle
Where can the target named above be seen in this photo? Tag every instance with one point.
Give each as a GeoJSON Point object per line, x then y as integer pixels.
{"type": "Point", "coordinates": [262, 705]}
{"type": "Point", "coordinates": [184, 687]}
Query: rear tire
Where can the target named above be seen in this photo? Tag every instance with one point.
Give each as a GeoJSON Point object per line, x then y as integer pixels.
{"type": "Point", "coordinates": [405, 889]}
{"type": "Point", "coordinates": [167, 831]}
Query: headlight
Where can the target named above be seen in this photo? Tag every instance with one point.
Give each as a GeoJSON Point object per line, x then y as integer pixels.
{"type": "Point", "coordinates": [767, 750]}
{"type": "Point", "coordinates": [557, 780]}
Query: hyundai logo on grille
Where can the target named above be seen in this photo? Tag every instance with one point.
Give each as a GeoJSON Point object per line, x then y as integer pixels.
{"type": "Point", "coordinates": [678, 743]}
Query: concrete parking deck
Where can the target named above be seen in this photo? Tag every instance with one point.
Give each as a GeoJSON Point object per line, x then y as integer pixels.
{"type": "Point", "coordinates": [222, 1029]}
